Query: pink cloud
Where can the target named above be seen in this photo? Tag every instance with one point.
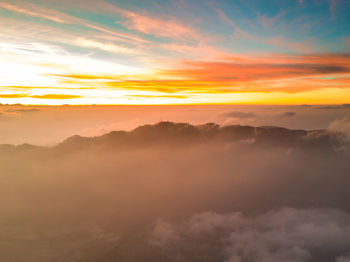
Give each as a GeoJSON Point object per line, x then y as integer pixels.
{"type": "Point", "coordinates": [145, 22]}
{"type": "Point", "coordinates": [159, 27]}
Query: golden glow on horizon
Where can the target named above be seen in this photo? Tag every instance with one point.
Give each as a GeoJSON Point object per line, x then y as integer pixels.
{"type": "Point", "coordinates": [323, 96]}
{"type": "Point", "coordinates": [250, 82]}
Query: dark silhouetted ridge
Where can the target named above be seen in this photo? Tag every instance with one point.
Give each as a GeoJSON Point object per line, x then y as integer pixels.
{"type": "Point", "coordinates": [178, 134]}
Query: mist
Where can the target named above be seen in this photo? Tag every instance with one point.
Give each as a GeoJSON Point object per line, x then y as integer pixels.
{"type": "Point", "coordinates": [178, 192]}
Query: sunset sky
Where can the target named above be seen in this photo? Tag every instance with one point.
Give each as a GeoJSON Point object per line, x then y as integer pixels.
{"type": "Point", "coordinates": [57, 52]}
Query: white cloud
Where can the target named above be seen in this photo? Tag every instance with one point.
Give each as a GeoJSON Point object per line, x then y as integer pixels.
{"type": "Point", "coordinates": [287, 234]}
{"type": "Point", "coordinates": [343, 259]}
{"type": "Point", "coordinates": [341, 125]}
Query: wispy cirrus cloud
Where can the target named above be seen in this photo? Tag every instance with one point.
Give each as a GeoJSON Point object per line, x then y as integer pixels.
{"type": "Point", "coordinates": [275, 40]}
{"type": "Point", "coordinates": [148, 23]}
{"type": "Point", "coordinates": [109, 47]}
{"type": "Point", "coordinates": [238, 31]}
{"type": "Point", "coordinates": [37, 11]}
{"type": "Point", "coordinates": [159, 27]}
{"type": "Point", "coordinates": [267, 22]}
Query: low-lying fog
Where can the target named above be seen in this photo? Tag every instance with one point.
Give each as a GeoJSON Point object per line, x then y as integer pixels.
{"type": "Point", "coordinates": [178, 192]}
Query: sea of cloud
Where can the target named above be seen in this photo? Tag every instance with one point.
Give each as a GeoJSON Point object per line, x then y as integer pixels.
{"type": "Point", "coordinates": [178, 192]}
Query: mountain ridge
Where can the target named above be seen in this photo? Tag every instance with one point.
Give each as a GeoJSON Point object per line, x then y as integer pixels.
{"type": "Point", "coordinates": [166, 132]}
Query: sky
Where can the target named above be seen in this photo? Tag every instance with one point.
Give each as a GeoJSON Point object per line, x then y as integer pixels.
{"type": "Point", "coordinates": [174, 52]}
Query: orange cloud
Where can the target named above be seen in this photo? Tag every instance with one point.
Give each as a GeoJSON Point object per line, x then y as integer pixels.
{"type": "Point", "coordinates": [157, 96]}
{"type": "Point", "coordinates": [272, 73]}
{"type": "Point", "coordinates": [13, 95]}
{"type": "Point", "coordinates": [55, 96]}
{"type": "Point", "coordinates": [46, 87]}
{"type": "Point", "coordinates": [264, 68]}
{"type": "Point", "coordinates": [46, 96]}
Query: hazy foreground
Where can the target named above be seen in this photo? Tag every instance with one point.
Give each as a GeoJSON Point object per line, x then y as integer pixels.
{"type": "Point", "coordinates": [177, 192]}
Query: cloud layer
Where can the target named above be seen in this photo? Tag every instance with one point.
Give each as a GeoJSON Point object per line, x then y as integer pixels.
{"type": "Point", "coordinates": [178, 192]}
{"type": "Point", "coordinates": [287, 234]}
